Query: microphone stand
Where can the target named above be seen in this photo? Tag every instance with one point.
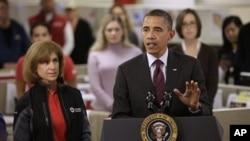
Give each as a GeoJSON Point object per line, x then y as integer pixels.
{"type": "Point", "coordinates": [167, 99]}
{"type": "Point", "coordinates": [150, 100]}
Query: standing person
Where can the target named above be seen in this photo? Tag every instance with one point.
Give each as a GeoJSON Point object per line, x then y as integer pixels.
{"type": "Point", "coordinates": [50, 110]}
{"type": "Point", "coordinates": [3, 130]}
{"type": "Point", "coordinates": [61, 30]}
{"type": "Point", "coordinates": [160, 70]}
{"type": "Point", "coordinates": [109, 50]}
{"type": "Point", "coordinates": [227, 53]}
{"type": "Point", "coordinates": [243, 53]}
{"type": "Point", "coordinates": [188, 27]}
{"type": "Point", "coordinates": [119, 10]}
{"type": "Point", "coordinates": [83, 37]}
{"type": "Point", "coordinates": [14, 41]}
{"type": "Point", "coordinates": [41, 32]}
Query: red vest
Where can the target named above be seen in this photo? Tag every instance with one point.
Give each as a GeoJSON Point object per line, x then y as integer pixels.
{"type": "Point", "coordinates": [56, 25]}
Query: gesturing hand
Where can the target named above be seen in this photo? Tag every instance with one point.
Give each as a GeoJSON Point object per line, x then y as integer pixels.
{"type": "Point", "coordinates": [191, 96]}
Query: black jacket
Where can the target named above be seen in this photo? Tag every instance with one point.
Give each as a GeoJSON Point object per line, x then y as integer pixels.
{"type": "Point", "coordinates": [32, 121]}
{"type": "Point", "coordinates": [3, 131]}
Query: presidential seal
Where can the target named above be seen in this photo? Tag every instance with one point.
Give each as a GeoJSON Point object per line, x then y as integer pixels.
{"type": "Point", "coordinates": [159, 127]}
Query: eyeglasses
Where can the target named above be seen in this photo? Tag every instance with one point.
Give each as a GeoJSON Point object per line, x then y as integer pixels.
{"type": "Point", "coordinates": [191, 25]}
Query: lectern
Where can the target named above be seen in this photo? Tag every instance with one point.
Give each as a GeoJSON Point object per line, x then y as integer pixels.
{"type": "Point", "coordinates": [202, 128]}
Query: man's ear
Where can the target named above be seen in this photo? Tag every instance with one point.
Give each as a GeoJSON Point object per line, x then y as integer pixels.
{"type": "Point", "coordinates": [171, 35]}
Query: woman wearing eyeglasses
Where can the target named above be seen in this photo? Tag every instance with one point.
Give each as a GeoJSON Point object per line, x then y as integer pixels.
{"type": "Point", "coordinates": [188, 27]}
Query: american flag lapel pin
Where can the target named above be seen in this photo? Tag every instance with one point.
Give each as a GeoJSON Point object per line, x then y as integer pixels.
{"type": "Point", "coordinates": [174, 69]}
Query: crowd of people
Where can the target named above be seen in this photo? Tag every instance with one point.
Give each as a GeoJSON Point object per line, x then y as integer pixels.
{"type": "Point", "coordinates": [121, 73]}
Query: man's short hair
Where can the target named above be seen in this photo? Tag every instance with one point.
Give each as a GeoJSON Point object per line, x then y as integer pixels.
{"type": "Point", "coordinates": [161, 13]}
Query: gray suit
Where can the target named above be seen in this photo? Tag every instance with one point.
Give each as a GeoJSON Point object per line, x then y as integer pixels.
{"type": "Point", "coordinates": [133, 82]}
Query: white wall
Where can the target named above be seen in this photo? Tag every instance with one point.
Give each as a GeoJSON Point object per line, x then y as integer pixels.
{"type": "Point", "coordinates": [93, 11]}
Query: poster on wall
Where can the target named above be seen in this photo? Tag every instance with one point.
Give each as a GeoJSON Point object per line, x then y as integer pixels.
{"type": "Point", "coordinates": [171, 4]}
{"type": "Point", "coordinates": [223, 2]}
{"type": "Point", "coordinates": [216, 21]}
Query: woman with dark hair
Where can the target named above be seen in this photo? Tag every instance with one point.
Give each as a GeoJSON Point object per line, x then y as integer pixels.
{"type": "Point", "coordinates": [227, 65]}
{"type": "Point", "coordinates": [50, 110]}
{"type": "Point", "coordinates": [188, 27]}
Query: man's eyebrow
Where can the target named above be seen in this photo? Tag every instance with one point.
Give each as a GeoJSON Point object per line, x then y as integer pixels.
{"type": "Point", "coordinates": [157, 27]}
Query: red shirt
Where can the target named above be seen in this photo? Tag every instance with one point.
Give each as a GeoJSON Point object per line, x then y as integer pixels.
{"type": "Point", "coordinates": [57, 25]}
{"type": "Point", "coordinates": [56, 114]}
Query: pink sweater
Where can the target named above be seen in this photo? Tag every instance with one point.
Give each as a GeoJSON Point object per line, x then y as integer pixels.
{"type": "Point", "coordinates": [102, 67]}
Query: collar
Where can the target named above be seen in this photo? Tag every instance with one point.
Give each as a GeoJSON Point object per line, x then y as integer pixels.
{"type": "Point", "coordinates": [184, 48]}
{"type": "Point", "coordinates": [163, 58]}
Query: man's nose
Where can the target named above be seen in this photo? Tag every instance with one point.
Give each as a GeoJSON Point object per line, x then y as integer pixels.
{"type": "Point", "coordinates": [52, 65]}
{"type": "Point", "coordinates": [113, 31]}
{"type": "Point", "coordinates": [150, 35]}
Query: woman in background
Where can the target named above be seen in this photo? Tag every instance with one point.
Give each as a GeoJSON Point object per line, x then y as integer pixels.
{"type": "Point", "coordinates": [119, 10]}
{"type": "Point", "coordinates": [188, 27]}
{"type": "Point", "coordinates": [50, 110]}
{"type": "Point", "coordinates": [227, 54]}
{"type": "Point", "coordinates": [110, 49]}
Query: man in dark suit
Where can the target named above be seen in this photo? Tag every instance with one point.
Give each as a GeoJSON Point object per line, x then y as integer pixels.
{"type": "Point", "coordinates": [184, 81]}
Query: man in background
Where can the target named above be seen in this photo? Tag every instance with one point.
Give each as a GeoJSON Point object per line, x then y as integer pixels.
{"type": "Point", "coordinates": [61, 30]}
{"type": "Point", "coordinates": [14, 41]}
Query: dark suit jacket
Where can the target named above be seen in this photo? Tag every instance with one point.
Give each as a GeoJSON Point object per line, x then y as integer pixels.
{"type": "Point", "coordinates": [133, 82]}
{"type": "Point", "coordinates": [209, 63]}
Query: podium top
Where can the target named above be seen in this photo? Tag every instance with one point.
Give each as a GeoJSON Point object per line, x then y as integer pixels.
{"type": "Point", "coordinates": [205, 128]}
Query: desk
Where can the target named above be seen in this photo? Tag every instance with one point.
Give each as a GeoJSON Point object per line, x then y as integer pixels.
{"type": "Point", "coordinates": [227, 89]}
{"type": "Point", "coordinates": [7, 75]}
{"type": "Point", "coordinates": [87, 96]}
{"type": "Point", "coordinates": [8, 91]}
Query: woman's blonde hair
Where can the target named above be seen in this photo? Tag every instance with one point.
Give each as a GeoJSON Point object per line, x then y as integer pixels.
{"type": "Point", "coordinates": [101, 41]}
{"type": "Point", "coordinates": [37, 53]}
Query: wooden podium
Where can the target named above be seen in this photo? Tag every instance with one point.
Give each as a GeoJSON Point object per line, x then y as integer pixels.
{"type": "Point", "coordinates": [202, 128]}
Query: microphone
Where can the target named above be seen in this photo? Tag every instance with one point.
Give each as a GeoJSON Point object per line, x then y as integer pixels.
{"type": "Point", "coordinates": [167, 99]}
{"type": "Point", "coordinates": [150, 100]}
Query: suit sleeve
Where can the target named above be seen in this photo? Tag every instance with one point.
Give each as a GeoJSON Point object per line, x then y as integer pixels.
{"type": "Point", "coordinates": [121, 105]}
{"type": "Point", "coordinates": [22, 130]}
{"type": "Point", "coordinates": [86, 133]}
{"type": "Point", "coordinates": [204, 101]}
{"type": "Point", "coordinates": [212, 82]}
